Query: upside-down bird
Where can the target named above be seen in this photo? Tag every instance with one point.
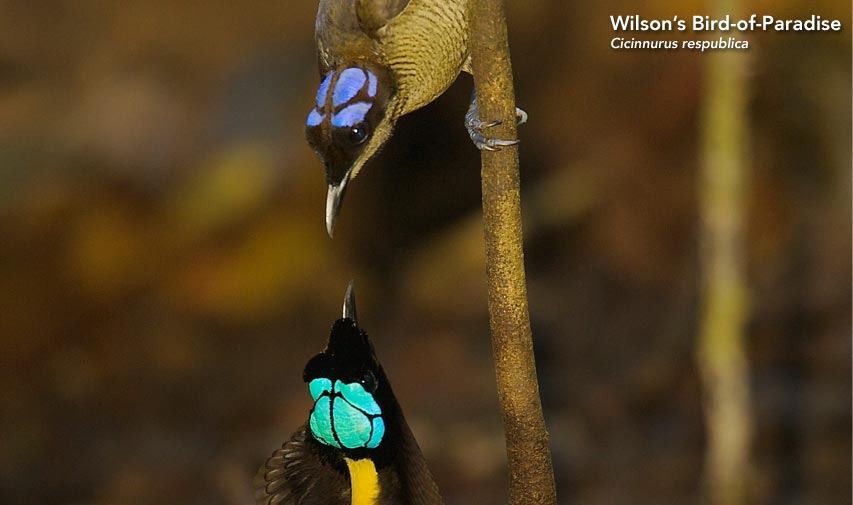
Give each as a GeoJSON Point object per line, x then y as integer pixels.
{"type": "Point", "coordinates": [380, 60]}
{"type": "Point", "coordinates": [356, 447]}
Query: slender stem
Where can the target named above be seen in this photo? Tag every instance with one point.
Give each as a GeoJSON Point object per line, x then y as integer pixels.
{"type": "Point", "coordinates": [721, 352]}
{"type": "Point", "coordinates": [531, 476]}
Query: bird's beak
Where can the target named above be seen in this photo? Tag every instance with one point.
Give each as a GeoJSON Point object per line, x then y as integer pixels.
{"type": "Point", "coordinates": [334, 200]}
{"type": "Point", "coordinates": [349, 303]}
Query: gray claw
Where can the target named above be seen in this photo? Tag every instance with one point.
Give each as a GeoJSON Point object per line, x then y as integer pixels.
{"type": "Point", "coordinates": [521, 116]}
{"type": "Point", "coordinates": [475, 128]}
{"type": "Point", "coordinates": [485, 124]}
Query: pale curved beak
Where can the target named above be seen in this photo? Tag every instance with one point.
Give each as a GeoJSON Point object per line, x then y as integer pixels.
{"type": "Point", "coordinates": [334, 200]}
{"type": "Point", "coordinates": [349, 303]}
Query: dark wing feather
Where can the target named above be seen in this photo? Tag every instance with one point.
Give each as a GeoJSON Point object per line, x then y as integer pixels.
{"type": "Point", "coordinates": [374, 14]}
{"type": "Point", "coordinates": [295, 474]}
{"type": "Point", "coordinates": [419, 486]}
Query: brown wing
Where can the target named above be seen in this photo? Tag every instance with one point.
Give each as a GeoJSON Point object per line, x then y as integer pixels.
{"type": "Point", "coordinates": [347, 30]}
{"type": "Point", "coordinates": [296, 474]}
{"type": "Point", "coordinates": [374, 14]}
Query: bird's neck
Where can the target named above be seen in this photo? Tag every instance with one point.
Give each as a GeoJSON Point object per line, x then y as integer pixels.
{"type": "Point", "coordinates": [364, 481]}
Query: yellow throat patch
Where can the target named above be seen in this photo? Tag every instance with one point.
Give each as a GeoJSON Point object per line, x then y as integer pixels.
{"type": "Point", "coordinates": [364, 481]}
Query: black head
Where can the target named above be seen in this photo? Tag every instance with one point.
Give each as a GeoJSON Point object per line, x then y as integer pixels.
{"type": "Point", "coordinates": [354, 407]}
{"type": "Point", "coordinates": [348, 125]}
{"type": "Point", "coordinates": [349, 358]}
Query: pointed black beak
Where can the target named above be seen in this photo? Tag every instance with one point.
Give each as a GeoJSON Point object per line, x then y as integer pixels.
{"type": "Point", "coordinates": [334, 200]}
{"type": "Point", "coordinates": [349, 303]}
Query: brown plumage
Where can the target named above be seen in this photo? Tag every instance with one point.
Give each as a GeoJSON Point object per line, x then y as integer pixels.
{"type": "Point", "coordinates": [415, 49]}
{"type": "Point", "coordinates": [423, 43]}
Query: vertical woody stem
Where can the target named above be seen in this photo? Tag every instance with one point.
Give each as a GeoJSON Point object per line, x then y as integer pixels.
{"type": "Point", "coordinates": [721, 352]}
{"type": "Point", "coordinates": [531, 477]}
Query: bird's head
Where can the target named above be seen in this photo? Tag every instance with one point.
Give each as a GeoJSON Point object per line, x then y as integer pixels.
{"type": "Point", "coordinates": [353, 402]}
{"type": "Point", "coordinates": [349, 123]}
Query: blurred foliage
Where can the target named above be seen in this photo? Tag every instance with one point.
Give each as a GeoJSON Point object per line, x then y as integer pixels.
{"type": "Point", "coordinates": [165, 274]}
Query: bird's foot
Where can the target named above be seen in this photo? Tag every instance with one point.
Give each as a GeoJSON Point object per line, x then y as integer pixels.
{"type": "Point", "coordinates": [475, 128]}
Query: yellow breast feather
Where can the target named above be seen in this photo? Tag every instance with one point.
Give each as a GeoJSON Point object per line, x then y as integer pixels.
{"type": "Point", "coordinates": [364, 481]}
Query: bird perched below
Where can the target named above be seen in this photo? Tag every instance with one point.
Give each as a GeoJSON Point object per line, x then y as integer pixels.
{"type": "Point", "coordinates": [380, 60]}
{"type": "Point", "coordinates": [356, 448]}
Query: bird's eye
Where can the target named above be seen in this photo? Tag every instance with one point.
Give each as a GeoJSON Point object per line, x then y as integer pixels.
{"type": "Point", "coordinates": [359, 133]}
{"type": "Point", "coordinates": [368, 381]}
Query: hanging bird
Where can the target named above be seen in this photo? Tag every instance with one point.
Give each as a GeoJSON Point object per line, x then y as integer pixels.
{"type": "Point", "coordinates": [380, 60]}
{"type": "Point", "coordinates": [356, 448]}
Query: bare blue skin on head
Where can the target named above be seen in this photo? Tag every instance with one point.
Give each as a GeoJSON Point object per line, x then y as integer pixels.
{"type": "Point", "coordinates": [339, 126]}
{"type": "Point", "coordinates": [315, 118]}
{"type": "Point", "coordinates": [349, 84]}
{"type": "Point", "coordinates": [372, 83]}
{"type": "Point", "coordinates": [323, 91]}
{"type": "Point", "coordinates": [351, 114]}
{"type": "Point", "coordinates": [350, 81]}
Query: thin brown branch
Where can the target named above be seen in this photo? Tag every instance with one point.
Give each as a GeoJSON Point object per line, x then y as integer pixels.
{"type": "Point", "coordinates": [530, 471]}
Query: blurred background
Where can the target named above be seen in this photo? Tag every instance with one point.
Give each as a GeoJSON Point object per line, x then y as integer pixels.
{"type": "Point", "coordinates": [165, 272]}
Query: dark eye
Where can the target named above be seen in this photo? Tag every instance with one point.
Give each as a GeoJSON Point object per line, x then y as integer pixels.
{"type": "Point", "coordinates": [359, 133]}
{"type": "Point", "coordinates": [368, 381]}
